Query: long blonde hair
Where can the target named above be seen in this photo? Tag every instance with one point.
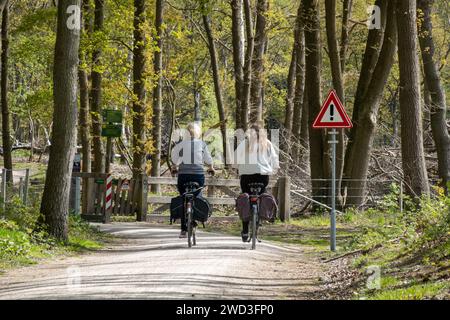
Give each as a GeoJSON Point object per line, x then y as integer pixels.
{"type": "Point", "coordinates": [257, 139]}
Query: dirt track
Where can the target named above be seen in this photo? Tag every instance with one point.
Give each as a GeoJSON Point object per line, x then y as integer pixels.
{"type": "Point", "coordinates": [152, 263]}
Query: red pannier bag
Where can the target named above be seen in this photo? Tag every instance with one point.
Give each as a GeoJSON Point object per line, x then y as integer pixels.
{"type": "Point", "coordinates": [267, 207]}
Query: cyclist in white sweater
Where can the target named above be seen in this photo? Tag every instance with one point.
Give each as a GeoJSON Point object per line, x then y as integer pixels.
{"type": "Point", "coordinates": [256, 160]}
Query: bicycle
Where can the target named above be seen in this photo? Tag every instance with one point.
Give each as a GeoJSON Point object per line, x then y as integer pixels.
{"type": "Point", "coordinates": [255, 190]}
{"type": "Point", "coordinates": [191, 189]}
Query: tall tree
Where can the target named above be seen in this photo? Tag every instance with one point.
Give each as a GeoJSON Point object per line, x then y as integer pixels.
{"type": "Point", "coordinates": [299, 91]}
{"type": "Point", "coordinates": [291, 79]}
{"type": "Point", "coordinates": [413, 158]}
{"type": "Point", "coordinates": [248, 72]}
{"type": "Point", "coordinates": [217, 86]}
{"type": "Point", "coordinates": [84, 123]}
{"type": "Point", "coordinates": [318, 163]}
{"type": "Point", "coordinates": [96, 89]}
{"type": "Point", "coordinates": [437, 93]}
{"type": "Point", "coordinates": [336, 74]}
{"type": "Point", "coordinates": [6, 133]}
{"type": "Point", "coordinates": [346, 15]}
{"type": "Point", "coordinates": [368, 112]}
{"type": "Point", "coordinates": [157, 95]}
{"type": "Point", "coordinates": [55, 199]}
{"type": "Point", "coordinates": [256, 112]}
{"type": "Point", "coordinates": [139, 88]}
{"type": "Point", "coordinates": [237, 31]}
{"type": "Point", "coordinates": [370, 58]}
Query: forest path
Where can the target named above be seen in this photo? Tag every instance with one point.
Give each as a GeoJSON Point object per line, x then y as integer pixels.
{"type": "Point", "coordinates": [150, 262]}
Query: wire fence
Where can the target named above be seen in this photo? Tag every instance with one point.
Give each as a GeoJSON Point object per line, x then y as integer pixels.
{"type": "Point", "coordinates": [368, 193]}
{"type": "Point", "coordinates": [18, 183]}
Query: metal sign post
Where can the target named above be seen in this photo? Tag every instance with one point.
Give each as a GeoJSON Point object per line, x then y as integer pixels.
{"type": "Point", "coordinates": [333, 143]}
{"type": "Point", "coordinates": [332, 115]}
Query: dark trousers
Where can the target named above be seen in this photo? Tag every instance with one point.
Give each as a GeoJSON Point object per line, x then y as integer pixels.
{"type": "Point", "coordinates": [182, 180]}
{"type": "Point", "coordinates": [247, 179]}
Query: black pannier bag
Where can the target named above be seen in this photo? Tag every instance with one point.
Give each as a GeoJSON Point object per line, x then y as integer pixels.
{"type": "Point", "coordinates": [176, 208]}
{"type": "Point", "coordinates": [202, 209]}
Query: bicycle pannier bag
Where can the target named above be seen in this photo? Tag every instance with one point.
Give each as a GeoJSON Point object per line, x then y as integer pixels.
{"type": "Point", "coordinates": [202, 209]}
{"type": "Point", "coordinates": [267, 207]}
{"type": "Point", "coordinates": [176, 208]}
{"type": "Point", "coordinates": [243, 207]}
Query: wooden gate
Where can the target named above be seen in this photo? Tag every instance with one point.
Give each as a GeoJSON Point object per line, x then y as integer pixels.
{"type": "Point", "coordinates": [127, 197]}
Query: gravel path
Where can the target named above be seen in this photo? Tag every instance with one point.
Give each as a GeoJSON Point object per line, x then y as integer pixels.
{"type": "Point", "coordinates": [150, 262]}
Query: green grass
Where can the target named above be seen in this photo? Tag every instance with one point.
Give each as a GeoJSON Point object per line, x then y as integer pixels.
{"type": "Point", "coordinates": [20, 247]}
{"type": "Point", "coordinates": [413, 292]}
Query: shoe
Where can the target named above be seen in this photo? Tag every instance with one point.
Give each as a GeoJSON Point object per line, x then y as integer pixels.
{"type": "Point", "coordinates": [183, 234]}
{"type": "Point", "coordinates": [244, 237]}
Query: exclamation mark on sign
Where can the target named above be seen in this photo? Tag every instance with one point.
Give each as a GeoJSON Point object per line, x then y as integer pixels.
{"type": "Point", "coordinates": [332, 112]}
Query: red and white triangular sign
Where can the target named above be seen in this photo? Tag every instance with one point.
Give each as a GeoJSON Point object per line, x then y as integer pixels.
{"type": "Point", "coordinates": [332, 114]}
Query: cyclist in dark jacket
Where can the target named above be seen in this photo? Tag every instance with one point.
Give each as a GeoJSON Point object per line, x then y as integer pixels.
{"type": "Point", "coordinates": [188, 157]}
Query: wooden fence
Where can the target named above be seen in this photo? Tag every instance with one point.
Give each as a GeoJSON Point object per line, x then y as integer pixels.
{"type": "Point", "coordinates": [130, 196]}
{"type": "Point", "coordinates": [280, 189]}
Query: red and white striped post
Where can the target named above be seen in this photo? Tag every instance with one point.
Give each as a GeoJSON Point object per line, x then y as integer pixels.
{"type": "Point", "coordinates": [108, 198]}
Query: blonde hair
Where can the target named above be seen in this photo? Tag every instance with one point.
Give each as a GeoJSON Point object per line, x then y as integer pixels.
{"type": "Point", "coordinates": [258, 138]}
{"type": "Point", "coordinates": [194, 130]}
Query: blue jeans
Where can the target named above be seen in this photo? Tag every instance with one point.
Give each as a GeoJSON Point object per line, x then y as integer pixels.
{"type": "Point", "coordinates": [182, 180]}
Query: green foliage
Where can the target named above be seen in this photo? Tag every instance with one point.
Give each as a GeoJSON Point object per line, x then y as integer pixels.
{"type": "Point", "coordinates": [22, 241]}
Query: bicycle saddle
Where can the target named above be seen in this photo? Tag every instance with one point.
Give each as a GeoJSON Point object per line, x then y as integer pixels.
{"type": "Point", "coordinates": [191, 185]}
{"type": "Point", "coordinates": [256, 185]}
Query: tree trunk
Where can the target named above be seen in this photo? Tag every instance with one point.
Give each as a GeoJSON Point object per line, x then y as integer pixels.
{"type": "Point", "coordinates": [438, 108]}
{"type": "Point", "coordinates": [338, 82]}
{"type": "Point", "coordinates": [237, 29]}
{"type": "Point", "coordinates": [217, 87]}
{"type": "Point", "coordinates": [299, 83]}
{"type": "Point", "coordinates": [157, 97]}
{"type": "Point", "coordinates": [55, 199]}
{"type": "Point", "coordinates": [288, 115]}
{"type": "Point", "coordinates": [96, 93]}
{"type": "Point", "coordinates": [139, 103]}
{"type": "Point", "coordinates": [6, 133]}
{"type": "Point", "coordinates": [371, 54]}
{"type": "Point", "coordinates": [317, 148]}
{"type": "Point", "coordinates": [368, 114]}
{"type": "Point", "coordinates": [246, 90]}
{"type": "Point", "coordinates": [413, 159]}
{"type": "Point", "coordinates": [256, 111]}
{"type": "Point", "coordinates": [84, 123]}
{"type": "Point", "coordinates": [346, 14]}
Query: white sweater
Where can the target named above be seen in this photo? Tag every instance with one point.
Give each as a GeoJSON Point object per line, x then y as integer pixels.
{"type": "Point", "coordinates": [257, 160]}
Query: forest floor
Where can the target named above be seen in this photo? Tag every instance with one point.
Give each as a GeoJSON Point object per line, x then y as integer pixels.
{"type": "Point", "coordinates": [150, 262]}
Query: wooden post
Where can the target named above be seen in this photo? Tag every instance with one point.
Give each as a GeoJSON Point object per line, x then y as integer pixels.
{"type": "Point", "coordinates": [142, 191]}
{"type": "Point", "coordinates": [21, 189]}
{"type": "Point", "coordinates": [4, 188]}
{"type": "Point", "coordinates": [275, 193]}
{"type": "Point", "coordinates": [401, 196]}
{"type": "Point", "coordinates": [27, 183]}
{"type": "Point", "coordinates": [284, 184]}
{"type": "Point", "coordinates": [210, 191]}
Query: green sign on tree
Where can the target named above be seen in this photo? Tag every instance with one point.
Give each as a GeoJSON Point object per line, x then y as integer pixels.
{"type": "Point", "coordinates": [112, 123]}
{"type": "Point", "coordinates": [112, 116]}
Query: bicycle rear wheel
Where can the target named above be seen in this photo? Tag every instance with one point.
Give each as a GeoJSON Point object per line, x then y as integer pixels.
{"type": "Point", "coordinates": [190, 228]}
{"type": "Point", "coordinates": [254, 226]}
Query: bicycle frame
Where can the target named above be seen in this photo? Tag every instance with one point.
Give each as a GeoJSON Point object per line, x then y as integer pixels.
{"type": "Point", "coordinates": [189, 196]}
{"type": "Point", "coordinates": [254, 205]}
